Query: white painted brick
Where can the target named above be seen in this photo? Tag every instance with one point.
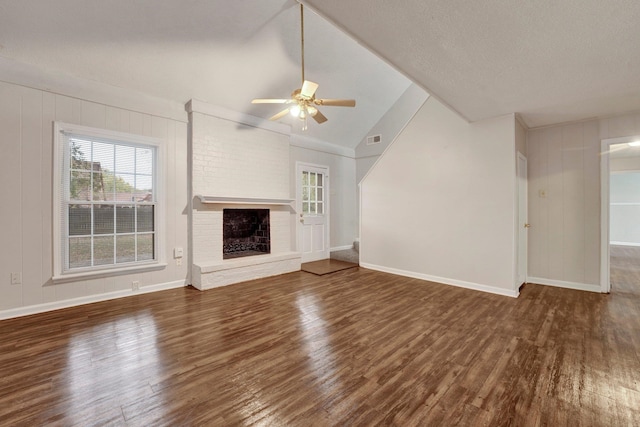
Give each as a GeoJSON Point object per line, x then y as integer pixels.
{"type": "Point", "coordinates": [251, 163]}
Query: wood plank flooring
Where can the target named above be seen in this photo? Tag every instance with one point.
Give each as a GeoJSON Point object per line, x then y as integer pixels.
{"type": "Point", "coordinates": [356, 347]}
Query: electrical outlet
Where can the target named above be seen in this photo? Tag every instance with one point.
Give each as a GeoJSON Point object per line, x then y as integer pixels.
{"type": "Point", "coordinates": [135, 285]}
{"type": "Point", "coordinates": [16, 278]}
{"type": "Point", "coordinates": [178, 261]}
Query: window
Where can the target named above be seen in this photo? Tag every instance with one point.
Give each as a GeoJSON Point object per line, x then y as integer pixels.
{"type": "Point", "coordinates": [107, 200]}
{"type": "Point", "coordinates": [312, 193]}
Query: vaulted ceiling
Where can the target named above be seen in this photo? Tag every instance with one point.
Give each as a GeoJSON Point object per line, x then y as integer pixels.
{"type": "Point", "coordinates": [219, 51]}
{"type": "Point", "coordinates": [549, 61]}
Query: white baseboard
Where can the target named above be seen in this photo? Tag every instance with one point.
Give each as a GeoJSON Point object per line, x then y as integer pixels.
{"type": "Point", "coordinates": [453, 282]}
{"type": "Point", "coordinates": [57, 305]}
{"type": "Point", "coordinates": [564, 284]}
{"type": "Point", "coordinates": [341, 248]}
{"type": "Point", "coordinates": [624, 244]}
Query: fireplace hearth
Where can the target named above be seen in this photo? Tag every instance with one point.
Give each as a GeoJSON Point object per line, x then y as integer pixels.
{"type": "Point", "coordinates": [245, 232]}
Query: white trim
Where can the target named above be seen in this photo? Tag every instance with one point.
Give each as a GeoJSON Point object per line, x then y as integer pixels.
{"type": "Point", "coordinates": [453, 282]}
{"type": "Point", "coordinates": [518, 224]}
{"type": "Point", "coordinates": [107, 272]}
{"type": "Point", "coordinates": [73, 302]}
{"type": "Point", "coordinates": [624, 243]}
{"type": "Point", "coordinates": [605, 145]}
{"type": "Point", "coordinates": [21, 74]}
{"type": "Point", "coordinates": [564, 284]}
{"type": "Point", "coordinates": [196, 106]}
{"type": "Point", "coordinates": [341, 248]}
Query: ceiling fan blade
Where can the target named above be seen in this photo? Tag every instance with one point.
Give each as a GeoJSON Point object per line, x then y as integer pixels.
{"type": "Point", "coordinates": [336, 102]}
{"type": "Point", "coordinates": [280, 114]}
{"type": "Point", "coordinates": [319, 117]}
{"type": "Point", "coordinates": [308, 89]}
{"type": "Point", "coordinates": [270, 101]}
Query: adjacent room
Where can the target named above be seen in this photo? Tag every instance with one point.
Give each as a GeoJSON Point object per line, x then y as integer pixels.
{"type": "Point", "coordinates": [283, 212]}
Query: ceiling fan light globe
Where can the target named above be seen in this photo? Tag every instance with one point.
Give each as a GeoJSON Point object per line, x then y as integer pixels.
{"type": "Point", "coordinates": [295, 111]}
{"type": "Point", "coordinates": [312, 110]}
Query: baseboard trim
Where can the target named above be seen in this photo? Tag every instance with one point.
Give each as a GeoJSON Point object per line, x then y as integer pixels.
{"type": "Point", "coordinates": [341, 248]}
{"type": "Point", "coordinates": [564, 284]}
{"type": "Point", "coordinates": [73, 302]}
{"type": "Point", "coordinates": [452, 282]}
{"type": "Point", "coordinates": [624, 244]}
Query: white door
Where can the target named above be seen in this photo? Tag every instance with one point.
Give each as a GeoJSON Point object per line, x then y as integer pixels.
{"type": "Point", "coordinates": [523, 225]}
{"type": "Point", "coordinates": [313, 211]}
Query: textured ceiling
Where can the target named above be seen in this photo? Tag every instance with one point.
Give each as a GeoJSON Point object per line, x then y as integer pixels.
{"type": "Point", "coordinates": [550, 61]}
{"type": "Point", "coordinates": [219, 51]}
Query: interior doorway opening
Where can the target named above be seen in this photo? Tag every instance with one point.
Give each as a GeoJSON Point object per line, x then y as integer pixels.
{"type": "Point", "coordinates": [620, 214]}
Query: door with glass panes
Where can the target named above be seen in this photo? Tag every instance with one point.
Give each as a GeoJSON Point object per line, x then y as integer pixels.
{"type": "Point", "coordinates": [313, 211]}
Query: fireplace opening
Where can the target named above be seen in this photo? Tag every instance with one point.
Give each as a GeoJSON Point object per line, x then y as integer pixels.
{"type": "Point", "coordinates": [245, 232]}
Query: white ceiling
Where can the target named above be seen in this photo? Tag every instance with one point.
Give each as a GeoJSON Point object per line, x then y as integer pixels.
{"type": "Point", "coordinates": [550, 61]}
{"type": "Point", "coordinates": [219, 51]}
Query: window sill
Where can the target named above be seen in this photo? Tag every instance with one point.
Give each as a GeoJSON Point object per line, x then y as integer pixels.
{"type": "Point", "coordinates": [72, 277]}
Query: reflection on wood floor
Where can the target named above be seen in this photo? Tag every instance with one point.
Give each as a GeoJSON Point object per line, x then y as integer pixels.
{"type": "Point", "coordinates": [625, 268]}
{"type": "Point", "coordinates": [356, 347]}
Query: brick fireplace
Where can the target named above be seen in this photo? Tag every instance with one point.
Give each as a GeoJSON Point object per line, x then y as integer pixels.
{"type": "Point", "coordinates": [238, 165]}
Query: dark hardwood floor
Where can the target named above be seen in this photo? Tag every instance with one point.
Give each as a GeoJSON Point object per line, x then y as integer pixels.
{"type": "Point", "coordinates": [356, 347]}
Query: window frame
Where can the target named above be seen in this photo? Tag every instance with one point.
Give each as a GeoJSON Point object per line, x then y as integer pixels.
{"type": "Point", "coordinates": [61, 167]}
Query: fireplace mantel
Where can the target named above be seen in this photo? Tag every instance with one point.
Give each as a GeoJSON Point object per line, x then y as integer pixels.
{"type": "Point", "coordinates": [244, 200]}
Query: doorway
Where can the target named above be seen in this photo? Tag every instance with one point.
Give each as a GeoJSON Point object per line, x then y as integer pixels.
{"type": "Point", "coordinates": [620, 210]}
{"type": "Point", "coordinates": [312, 189]}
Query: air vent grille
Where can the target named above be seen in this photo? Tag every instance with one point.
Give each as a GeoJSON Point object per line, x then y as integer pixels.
{"type": "Point", "coordinates": [374, 139]}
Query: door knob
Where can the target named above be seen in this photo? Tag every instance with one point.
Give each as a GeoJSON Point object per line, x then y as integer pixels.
{"type": "Point", "coordinates": [527, 225]}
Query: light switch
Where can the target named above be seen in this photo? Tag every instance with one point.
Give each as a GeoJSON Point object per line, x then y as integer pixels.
{"type": "Point", "coordinates": [177, 252]}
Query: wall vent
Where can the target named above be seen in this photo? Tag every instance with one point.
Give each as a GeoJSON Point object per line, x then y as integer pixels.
{"type": "Point", "coordinates": [374, 139]}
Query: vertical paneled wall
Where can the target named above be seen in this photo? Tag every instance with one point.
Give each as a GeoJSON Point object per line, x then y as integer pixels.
{"type": "Point", "coordinates": [564, 203]}
{"type": "Point", "coordinates": [564, 199]}
{"type": "Point", "coordinates": [26, 147]}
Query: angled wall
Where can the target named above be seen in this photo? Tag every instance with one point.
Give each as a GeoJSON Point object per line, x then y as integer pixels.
{"type": "Point", "coordinates": [440, 204]}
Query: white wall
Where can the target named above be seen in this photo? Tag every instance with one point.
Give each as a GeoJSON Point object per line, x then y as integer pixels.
{"type": "Point", "coordinates": [26, 127]}
{"type": "Point", "coordinates": [440, 204]}
{"type": "Point", "coordinates": [342, 180]}
{"type": "Point", "coordinates": [624, 196]}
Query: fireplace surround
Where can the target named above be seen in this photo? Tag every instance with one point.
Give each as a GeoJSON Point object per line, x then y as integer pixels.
{"type": "Point", "coordinates": [236, 164]}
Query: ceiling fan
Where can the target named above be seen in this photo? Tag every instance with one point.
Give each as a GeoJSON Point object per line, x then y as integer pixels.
{"type": "Point", "coordinates": [303, 101]}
